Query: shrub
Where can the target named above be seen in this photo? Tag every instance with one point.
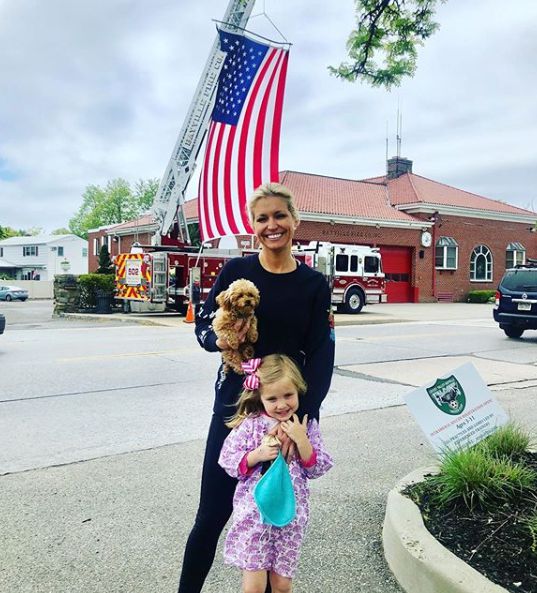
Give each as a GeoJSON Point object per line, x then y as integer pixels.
{"type": "Point", "coordinates": [90, 284]}
{"type": "Point", "coordinates": [481, 296]}
{"type": "Point", "coordinates": [509, 441]}
{"type": "Point", "coordinates": [475, 478]}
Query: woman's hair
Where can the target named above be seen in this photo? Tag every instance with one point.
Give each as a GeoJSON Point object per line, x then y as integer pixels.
{"type": "Point", "coordinates": [272, 368]}
{"type": "Point", "coordinates": [271, 190]}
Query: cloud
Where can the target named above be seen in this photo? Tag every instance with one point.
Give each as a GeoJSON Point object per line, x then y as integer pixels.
{"type": "Point", "coordinates": [94, 91]}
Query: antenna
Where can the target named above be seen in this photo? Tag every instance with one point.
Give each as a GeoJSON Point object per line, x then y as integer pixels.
{"type": "Point", "coordinates": [387, 147]}
{"type": "Point", "coordinates": [398, 132]}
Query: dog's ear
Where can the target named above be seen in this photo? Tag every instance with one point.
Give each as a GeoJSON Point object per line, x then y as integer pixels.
{"type": "Point", "coordinates": [223, 298]}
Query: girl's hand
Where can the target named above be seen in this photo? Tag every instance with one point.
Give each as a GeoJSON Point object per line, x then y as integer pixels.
{"type": "Point", "coordinates": [294, 429]}
{"type": "Point", "coordinates": [241, 328]}
{"type": "Point", "coordinates": [288, 447]}
{"type": "Point", "coordinates": [298, 432]}
{"type": "Point", "coordinates": [263, 453]}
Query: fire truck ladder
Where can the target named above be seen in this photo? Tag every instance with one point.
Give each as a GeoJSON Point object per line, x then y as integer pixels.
{"type": "Point", "coordinates": [170, 197]}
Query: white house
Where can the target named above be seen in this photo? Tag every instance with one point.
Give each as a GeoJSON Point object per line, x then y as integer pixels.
{"type": "Point", "coordinates": [43, 256]}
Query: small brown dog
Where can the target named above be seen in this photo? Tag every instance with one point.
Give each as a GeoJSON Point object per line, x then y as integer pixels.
{"type": "Point", "coordinates": [237, 303]}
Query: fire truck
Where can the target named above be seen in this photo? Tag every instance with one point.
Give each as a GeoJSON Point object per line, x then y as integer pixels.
{"type": "Point", "coordinates": [175, 277]}
{"type": "Point", "coordinates": [172, 272]}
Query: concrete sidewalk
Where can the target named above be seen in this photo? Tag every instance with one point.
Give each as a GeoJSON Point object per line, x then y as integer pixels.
{"type": "Point", "coordinates": [119, 524]}
{"type": "Point", "coordinates": [371, 314]}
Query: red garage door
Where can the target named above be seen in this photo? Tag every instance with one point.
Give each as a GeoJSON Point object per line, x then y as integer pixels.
{"type": "Point", "coordinates": [397, 265]}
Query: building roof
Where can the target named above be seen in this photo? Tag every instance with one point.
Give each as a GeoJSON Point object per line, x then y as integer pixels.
{"type": "Point", "coordinates": [414, 189]}
{"type": "Point", "coordinates": [330, 196]}
{"type": "Point", "coordinates": [36, 239]}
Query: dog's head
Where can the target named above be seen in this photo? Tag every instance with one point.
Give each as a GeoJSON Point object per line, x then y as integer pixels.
{"type": "Point", "coordinates": [241, 297]}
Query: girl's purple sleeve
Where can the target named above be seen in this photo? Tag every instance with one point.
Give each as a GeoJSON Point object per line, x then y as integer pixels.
{"type": "Point", "coordinates": [238, 443]}
{"type": "Point", "coordinates": [324, 460]}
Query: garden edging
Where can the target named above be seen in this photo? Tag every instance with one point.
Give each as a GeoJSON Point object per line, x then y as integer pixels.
{"type": "Point", "coordinates": [417, 560]}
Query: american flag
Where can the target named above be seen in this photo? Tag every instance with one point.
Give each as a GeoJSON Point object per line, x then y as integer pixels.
{"type": "Point", "coordinates": [244, 134]}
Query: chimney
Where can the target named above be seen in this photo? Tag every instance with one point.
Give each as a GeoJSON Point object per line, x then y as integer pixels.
{"type": "Point", "coordinates": [397, 166]}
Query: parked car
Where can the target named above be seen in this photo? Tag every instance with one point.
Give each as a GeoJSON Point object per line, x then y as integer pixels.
{"type": "Point", "coordinates": [12, 293]}
{"type": "Point", "coordinates": [515, 308]}
{"type": "Point", "coordinates": [2, 323]}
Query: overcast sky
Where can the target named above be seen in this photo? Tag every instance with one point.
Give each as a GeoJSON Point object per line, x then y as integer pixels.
{"type": "Point", "coordinates": [95, 90]}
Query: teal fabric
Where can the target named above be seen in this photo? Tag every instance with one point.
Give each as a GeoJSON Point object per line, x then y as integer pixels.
{"type": "Point", "coordinates": [274, 494]}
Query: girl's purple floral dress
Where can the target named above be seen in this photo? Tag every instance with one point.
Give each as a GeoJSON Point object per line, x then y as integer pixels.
{"type": "Point", "coordinates": [250, 544]}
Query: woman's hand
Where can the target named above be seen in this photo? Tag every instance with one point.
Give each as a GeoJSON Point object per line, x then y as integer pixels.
{"type": "Point", "coordinates": [241, 328]}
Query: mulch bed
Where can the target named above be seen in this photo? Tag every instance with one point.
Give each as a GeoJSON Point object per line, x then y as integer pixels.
{"type": "Point", "coordinates": [497, 544]}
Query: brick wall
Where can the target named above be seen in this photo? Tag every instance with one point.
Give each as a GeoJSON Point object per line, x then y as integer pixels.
{"type": "Point", "coordinates": [467, 232]}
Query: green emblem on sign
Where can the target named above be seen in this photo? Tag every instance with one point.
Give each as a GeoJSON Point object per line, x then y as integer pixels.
{"type": "Point", "coordinates": [448, 395]}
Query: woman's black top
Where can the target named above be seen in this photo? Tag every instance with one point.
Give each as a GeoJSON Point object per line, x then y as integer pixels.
{"type": "Point", "coordinates": [294, 318]}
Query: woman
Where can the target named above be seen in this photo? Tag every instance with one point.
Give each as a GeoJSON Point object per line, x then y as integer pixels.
{"type": "Point", "coordinates": [294, 318]}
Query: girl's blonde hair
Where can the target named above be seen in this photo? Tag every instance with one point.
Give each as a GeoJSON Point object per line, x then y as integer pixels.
{"type": "Point", "coordinates": [272, 190]}
{"type": "Point", "coordinates": [273, 368]}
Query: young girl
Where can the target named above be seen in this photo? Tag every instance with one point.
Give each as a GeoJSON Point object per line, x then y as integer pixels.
{"type": "Point", "coordinates": [268, 402]}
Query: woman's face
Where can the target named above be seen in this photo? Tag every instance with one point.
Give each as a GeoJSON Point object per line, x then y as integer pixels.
{"type": "Point", "coordinates": [273, 224]}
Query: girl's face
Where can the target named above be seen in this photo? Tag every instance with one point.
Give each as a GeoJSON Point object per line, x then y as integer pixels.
{"type": "Point", "coordinates": [280, 399]}
{"type": "Point", "coordinates": [273, 224]}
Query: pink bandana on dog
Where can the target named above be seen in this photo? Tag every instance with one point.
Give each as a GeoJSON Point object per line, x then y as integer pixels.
{"type": "Point", "coordinates": [251, 381]}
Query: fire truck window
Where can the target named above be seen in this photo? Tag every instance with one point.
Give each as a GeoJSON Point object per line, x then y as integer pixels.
{"type": "Point", "coordinates": [371, 265]}
{"type": "Point", "coordinates": [342, 263]}
{"type": "Point", "coordinates": [354, 263]}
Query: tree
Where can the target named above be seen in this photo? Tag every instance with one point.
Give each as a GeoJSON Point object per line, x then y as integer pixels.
{"type": "Point", "coordinates": [111, 205]}
{"type": "Point", "coordinates": [105, 263]}
{"type": "Point", "coordinates": [61, 231]}
{"type": "Point", "coordinates": [391, 29]}
{"type": "Point", "coordinates": [7, 231]}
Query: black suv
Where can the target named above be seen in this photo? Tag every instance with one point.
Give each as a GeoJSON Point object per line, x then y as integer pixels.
{"type": "Point", "coordinates": [516, 300]}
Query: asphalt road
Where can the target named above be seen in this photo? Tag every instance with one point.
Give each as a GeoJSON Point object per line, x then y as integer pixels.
{"type": "Point", "coordinates": [100, 445]}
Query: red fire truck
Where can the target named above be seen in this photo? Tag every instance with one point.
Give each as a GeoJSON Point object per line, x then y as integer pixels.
{"type": "Point", "coordinates": [174, 277]}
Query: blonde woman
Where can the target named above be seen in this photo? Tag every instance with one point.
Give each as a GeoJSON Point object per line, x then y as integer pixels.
{"type": "Point", "coordinates": [294, 318]}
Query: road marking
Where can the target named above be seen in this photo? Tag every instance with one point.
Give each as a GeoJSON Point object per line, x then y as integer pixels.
{"type": "Point", "coordinates": [123, 355]}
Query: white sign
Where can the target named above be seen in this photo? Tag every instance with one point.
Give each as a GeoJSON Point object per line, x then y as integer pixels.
{"type": "Point", "coordinates": [457, 410]}
{"type": "Point", "coordinates": [133, 272]}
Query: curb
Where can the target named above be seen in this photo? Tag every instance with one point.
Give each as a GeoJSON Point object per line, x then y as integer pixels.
{"type": "Point", "coordinates": [418, 561]}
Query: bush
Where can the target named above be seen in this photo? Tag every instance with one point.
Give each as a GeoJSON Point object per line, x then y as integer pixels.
{"type": "Point", "coordinates": [90, 284]}
{"type": "Point", "coordinates": [479, 480]}
{"type": "Point", "coordinates": [509, 441]}
{"type": "Point", "coordinates": [481, 296]}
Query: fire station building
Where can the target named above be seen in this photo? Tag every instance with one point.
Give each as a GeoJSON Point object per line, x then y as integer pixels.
{"type": "Point", "coordinates": [437, 242]}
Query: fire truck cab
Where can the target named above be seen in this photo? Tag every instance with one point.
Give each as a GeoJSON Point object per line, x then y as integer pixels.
{"type": "Point", "coordinates": [353, 271]}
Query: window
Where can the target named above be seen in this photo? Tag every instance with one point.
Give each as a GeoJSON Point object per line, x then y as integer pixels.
{"type": "Point", "coordinates": [446, 254]}
{"type": "Point", "coordinates": [84, 252]}
{"type": "Point", "coordinates": [371, 264]}
{"type": "Point", "coordinates": [96, 246]}
{"type": "Point", "coordinates": [354, 263]}
{"type": "Point", "coordinates": [30, 250]}
{"type": "Point", "coordinates": [481, 264]}
{"type": "Point", "coordinates": [1, 252]}
{"type": "Point", "coordinates": [515, 255]}
{"type": "Point", "coordinates": [342, 263]}
{"type": "Point", "coordinates": [60, 251]}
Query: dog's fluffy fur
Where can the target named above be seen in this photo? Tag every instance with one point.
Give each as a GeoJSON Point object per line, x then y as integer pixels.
{"type": "Point", "coordinates": [237, 303]}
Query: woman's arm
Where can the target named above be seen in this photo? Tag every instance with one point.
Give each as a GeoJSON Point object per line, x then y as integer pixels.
{"type": "Point", "coordinates": [205, 313]}
{"type": "Point", "coordinates": [320, 350]}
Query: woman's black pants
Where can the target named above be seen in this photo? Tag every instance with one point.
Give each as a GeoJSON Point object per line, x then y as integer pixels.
{"type": "Point", "coordinates": [215, 508]}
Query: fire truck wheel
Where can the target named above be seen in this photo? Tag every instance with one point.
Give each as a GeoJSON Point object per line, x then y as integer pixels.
{"type": "Point", "coordinates": [354, 301]}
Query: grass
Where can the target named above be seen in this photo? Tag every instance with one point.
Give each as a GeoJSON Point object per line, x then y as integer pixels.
{"type": "Point", "coordinates": [490, 473]}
